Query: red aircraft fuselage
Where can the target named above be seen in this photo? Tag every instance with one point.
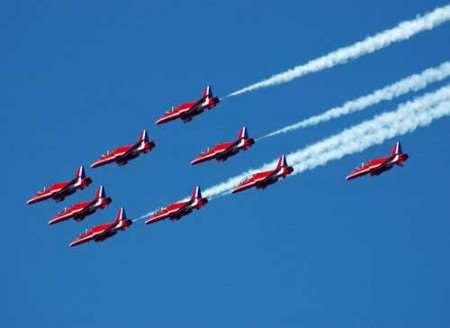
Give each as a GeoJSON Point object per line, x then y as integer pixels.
{"type": "Point", "coordinates": [379, 165]}
{"type": "Point", "coordinates": [123, 154]}
{"type": "Point", "coordinates": [80, 210]}
{"type": "Point", "coordinates": [263, 179]}
{"type": "Point", "coordinates": [223, 151]}
{"type": "Point", "coordinates": [177, 210]}
{"type": "Point", "coordinates": [188, 110]}
{"type": "Point", "coordinates": [61, 190]}
{"type": "Point", "coordinates": [104, 231]}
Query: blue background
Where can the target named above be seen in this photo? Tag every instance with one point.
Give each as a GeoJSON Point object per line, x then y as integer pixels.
{"type": "Point", "coordinates": [80, 77]}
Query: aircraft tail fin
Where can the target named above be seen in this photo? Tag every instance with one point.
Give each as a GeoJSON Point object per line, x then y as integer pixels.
{"type": "Point", "coordinates": [81, 180]}
{"type": "Point", "coordinates": [120, 216]}
{"type": "Point", "coordinates": [207, 93]}
{"type": "Point", "coordinates": [397, 149]}
{"type": "Point", "coordinates": [196, 194]}
{"type": "Point", "coordinates": [80, 173]}
{"type": "Point", "coordinates": [100, 193]}
{"type": "Point", "coordinates": [143, 137]}
{"type": "Point", "coordinates": [243, 134]}
{"type": "Point", "coordinates": [281, 162]}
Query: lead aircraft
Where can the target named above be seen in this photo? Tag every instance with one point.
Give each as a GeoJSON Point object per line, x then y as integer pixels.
{"type": "Point", "coordinates": [263, 179]}
{"type": "Point", "coordinates": [123, 154]}
{"type": "Point", "coordinates": [105, 230]}
{"type": "Point", "coordinates": [61, 190]}
{"type": "Point", "coordinates": [188, 110]}
{"type": "Point", "coordinates": [80, 210]}
{"type": "Point", "coordinates": [382, 164]}
{"type": "Point", "coordinates": [223, 151]}
{"type": "Point", "coordinates": [177, 210]}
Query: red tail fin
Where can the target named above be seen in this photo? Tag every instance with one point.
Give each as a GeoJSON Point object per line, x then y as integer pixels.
{"type": "Point", "coordinates": [196, 194]}
{"type": "Point", "coordinates": [143, 137]}
{"type": "Point", "coordinates": [243, 134]}
{"type": "Point", "coordinates": [100, 192]}
{"type": "Point", "coordinates": [120, 216]}
{"type": "Point", "coordinates": [281, 162]}
{"type": "Point", "coordinates": [397, 149]}
{"type": "Point", "coordinates": [80, 173]}
{"type": "Point", "coordinates": [207, 92]}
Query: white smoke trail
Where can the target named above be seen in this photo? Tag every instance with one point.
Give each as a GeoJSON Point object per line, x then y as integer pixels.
{"type": "Point", "coordinates": [412, 83]}
{"type": "Point", "coordinates": [407, 118]}
{"type": "Point", "coordinates": [401, 32]}
{"type": "Point", "coordinates": [385, 127]}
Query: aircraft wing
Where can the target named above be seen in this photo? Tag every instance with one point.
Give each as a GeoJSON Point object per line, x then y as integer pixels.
{"type": "Point", "coordinates": [157, 217]}
{"type": "Point", "coordinates": [82, 239]}
{"type": "Point", "coordinates": [128, 151]}
{"type": "Point", "coordinates": [105, 159]}
{"type": "Point", "coordinates": [369, 168]}
{"type": "Point", "coordinates": [247, 183]}
{"type": "Point", "coordinates": [257, 179]}
{"type": "Point", "coordinates": [168, 212]}
{"type": "Point", "coordinates": [358, 172]}
{"type": "Point", "coordinates": [49, 192]}
{"type": "Point", "coordinates": [216, 151]}
{"type": "Point", "coordinates": [69, 212]}
{"type": "Point", "coordinates": [93, 233]}
{"type": "Point", "coordinates": [108, 158]}
{"type": "Point", "coordinates": [40, 196]}
{"type": "Point", "coordinates": [364, 169]}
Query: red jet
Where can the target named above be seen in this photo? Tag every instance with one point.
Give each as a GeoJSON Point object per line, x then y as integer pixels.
{"type": "Point", "coordinates": [190, 109]}
{"type": "Point", "coordinates": [263, 179]}
{"type": "Point", "coordinates": [105, 230]}
{"type": "Point", "coordinates": [221, 152]}
{"type": "Point", "coordinates": [61, 190]}
{"type": "Point", "coordinates": [382, 164]}
{"type": "Point", "coordinates": [80, 210]}
{"type": "Point", "coordinates": [177, 210]}
{"type": "Point", "coordinates": [122, 155]}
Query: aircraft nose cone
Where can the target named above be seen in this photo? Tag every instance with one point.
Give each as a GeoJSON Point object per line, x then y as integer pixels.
{"type": "Point", "coordinates": [159, 121]}
{"type": "Point", "coordinates": [31, 201]}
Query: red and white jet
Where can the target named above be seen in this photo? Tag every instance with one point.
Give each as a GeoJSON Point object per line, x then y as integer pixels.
{"type": "Point", "coordinates": [263, 179]}
{"type": "Point", "coordinates": [122, 155]}
{"type": "Point", "coordinates": [80, 210]}
{"type": "Point", "coordinates": [176, 211]}
{"type": "Point", "coordinates": [382, 164]}
{"type": "Point", "coordinates": [61, 190]}
{"type": "Point", "coordinates": [190, 109]}
{"type": "Point", "coordinates": [221, 152]}
{"type": "Point", "coordinates": [105, 230]}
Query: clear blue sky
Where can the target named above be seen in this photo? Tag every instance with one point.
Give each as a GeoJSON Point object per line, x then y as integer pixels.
{"type": "Point", "coordinates": [80, 77]}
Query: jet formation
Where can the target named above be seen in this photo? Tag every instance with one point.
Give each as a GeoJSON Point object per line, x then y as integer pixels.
{"type": "Point", "coordinates": [175, 211]}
